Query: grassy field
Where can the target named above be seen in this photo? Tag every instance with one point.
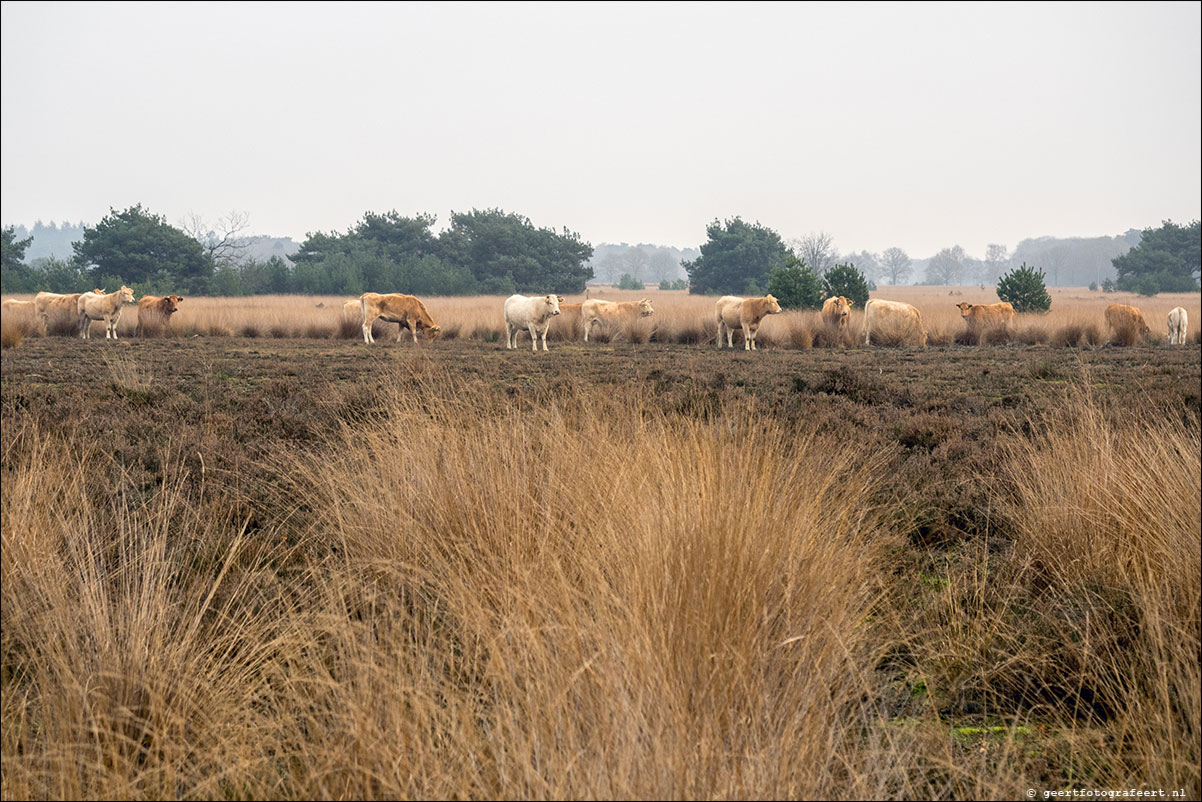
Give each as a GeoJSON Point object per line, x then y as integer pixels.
{"type": "Point", "coordinates": [295, 566]}
{"type": "Point", "coordinates": [1076, 318]}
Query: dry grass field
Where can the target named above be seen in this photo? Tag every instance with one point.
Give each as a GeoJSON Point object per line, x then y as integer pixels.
{"type": "Point", "coordinates": [1076, 318]}
{"type": "Point", "coordinates": [256, 558]}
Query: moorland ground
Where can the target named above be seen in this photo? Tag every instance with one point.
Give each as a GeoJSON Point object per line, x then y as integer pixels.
{"type": "Point", "coordinates": [300, 567]}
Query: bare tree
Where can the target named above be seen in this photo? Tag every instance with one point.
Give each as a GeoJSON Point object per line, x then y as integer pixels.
{"type": "Point", "coordinates": [867, 263]}
{"type": "Point", "coordinates": [817, 250]}
{"type": "Point", "coordinates": [997, 260]}
{"type": "Point", "coordinates": [896, 265]}
{"type": "Point", "coordinates": [947, 266]}
{"type": "Point", "coordinates": [225, 241]}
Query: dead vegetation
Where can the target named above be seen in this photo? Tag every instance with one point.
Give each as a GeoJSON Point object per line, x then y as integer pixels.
{"type": "Point", "coordinates": [289, 569]}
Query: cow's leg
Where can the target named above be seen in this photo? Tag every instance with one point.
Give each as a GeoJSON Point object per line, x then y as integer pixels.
{"type": "Point", "coordinates": [546, 327]}
{"type": "Point", "coordinates": [588, 324]}
{"type": "Point", "coordinates": [533, 337]}
{"type": "Point", "coordinates": [367, 321]}
{"type": "Point", "coordinates": [720, 334]}
{"type": "Point", "coordinates": [748, 342]}
{"type": "Point", "coordinates": [413, 323]}
{"type": "Point", "coordinates": [508, 335]}
{"type": "Point", "coordinates": [85, 327]}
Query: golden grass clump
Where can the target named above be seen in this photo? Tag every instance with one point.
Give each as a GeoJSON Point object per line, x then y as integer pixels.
{"type": "Point", "coordinates": [564, 628]}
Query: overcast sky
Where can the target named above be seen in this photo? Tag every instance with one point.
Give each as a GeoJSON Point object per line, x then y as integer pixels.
{"type": "Point", "coordinates": [911, 125]}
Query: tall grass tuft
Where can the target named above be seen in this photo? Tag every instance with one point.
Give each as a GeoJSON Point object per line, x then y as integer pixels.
{"type": "Point", "coordinates": [538, 623]}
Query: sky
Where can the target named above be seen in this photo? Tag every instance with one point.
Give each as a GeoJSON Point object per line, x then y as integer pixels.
{"type": "Point", "coordinates": [919, 126]}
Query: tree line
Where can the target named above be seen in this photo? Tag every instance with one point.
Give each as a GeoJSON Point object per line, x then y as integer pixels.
{"type": "Point", "coordinates": [482, 252]}
{"type": "Point", "coordinates": [495, 252]}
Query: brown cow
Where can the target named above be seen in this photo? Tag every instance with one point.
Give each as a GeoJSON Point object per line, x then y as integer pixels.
{"type": "Point", "coordinates": [62, 308]}
{"type": "Point", "coordinates": [836, 313]}
{"type": "Point", "coordinates": [986, 316]}
{"type": "Point", "coordinates": [1126, 321]}
{"type": "Point", "coordinates": [395, 307]}
{"type": "Point", "coordinates": [745, 313]}
{"type": "Point", "coordinates": [154, 311]}
{"type": "Point", "coordinates": [611, 313]}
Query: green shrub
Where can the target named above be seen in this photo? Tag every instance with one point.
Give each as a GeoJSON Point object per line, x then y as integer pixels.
{"type": "Point", "coordinates": [845, 280]}
{"type": "Point", "coordinates": [1024, 288]}
{"type": "Point", "coordinates": [796, 286]}
{"type": "Point", "coordinates": [629, 282]}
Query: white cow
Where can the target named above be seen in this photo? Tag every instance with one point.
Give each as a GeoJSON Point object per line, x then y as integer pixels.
{"type": "Point", "coordinates": [92, 306]}
{"type": "Point", "coordinates": [899, 316]}
{"type": "Point", "coordinates": [529, 313]}
{"type": "Point", "coordinates": [1178, 326]}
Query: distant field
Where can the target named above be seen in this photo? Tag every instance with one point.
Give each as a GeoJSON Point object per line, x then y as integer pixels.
{"type": "Point", "coordinates": [293, 566]}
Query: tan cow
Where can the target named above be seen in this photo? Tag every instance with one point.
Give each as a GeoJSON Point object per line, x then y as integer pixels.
{"type": "Point", "coordinates": [19, 308]}
{"type": "Point", "coordinates": [1178, 326]}
{"type": "Point", "coordinates": [1126, 321]}
{"type": "Point", "coordinates": [986, 316]}
{"type": "Point", "coordinates": [405, 310]}
{"type": "Point", "coordinates": [610, 313]}
{"type": "Point", "coordinates": [154, 311]}
{"type": "Point", "coordinates": [746, 313]}
{"type": "Point", "coordinates": [836, 313]}
{"type": "Point", "coordinates": [93, 306]}
{"type": "Point", "coordinates": [59, 308]}
{"type": "Point", "coordinates": [902, 317]}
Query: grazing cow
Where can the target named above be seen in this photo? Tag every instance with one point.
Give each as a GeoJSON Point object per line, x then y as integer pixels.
{"type": "Point", "coordinates": [610, 313]}
{"type": "Point", "coordinates": [746, 313]}
{"type": "Point", "coordinates": [1126, 321]}
{"type": "Point", "coordinates": [154, 311]}
{"type": "Point", "coordinates": [59, 308]}
{"type": "Point", "coordinates": [836, 313]}
{"type": "Point", "coordinates": [405, 310]}
{"type": "Point", "coordinates": [529, 313]}
{"type": "Point", "coordinates": [881, 314]}
{"type": "Point", "coordinates": [1178, 326]}
{"type": "Point", "coordinates": [986, 316]}
{"type": "Point", "coordinates": [92, 306]}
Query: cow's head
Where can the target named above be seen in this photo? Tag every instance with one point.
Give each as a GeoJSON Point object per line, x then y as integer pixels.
{"type": "Point", "coordinates": [842, 307]}
{"type": "Point", "coordinates": [771, 305]}
{"type": "Point", "coordinates": [432, 331]}
{"type": "Point", "coordinates": [127, 295]}
{"type": "Point", "coordinates": [965, 308]}
{"type": "Point", "coordinates": [645, 308]}
{"type": "Point", "coordinates": [170, 304]}
{"type": "Point", "coordinates": [97, 291]}
{"type": "Point", "coordinates": [553, 302]}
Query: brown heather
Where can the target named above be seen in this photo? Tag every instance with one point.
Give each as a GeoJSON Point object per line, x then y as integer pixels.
{"type": "Point", "coordinates": [576, 591]}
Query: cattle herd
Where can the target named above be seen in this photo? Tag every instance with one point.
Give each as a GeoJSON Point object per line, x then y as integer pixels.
{"type": "Point", "coordinates": [534, 315]}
